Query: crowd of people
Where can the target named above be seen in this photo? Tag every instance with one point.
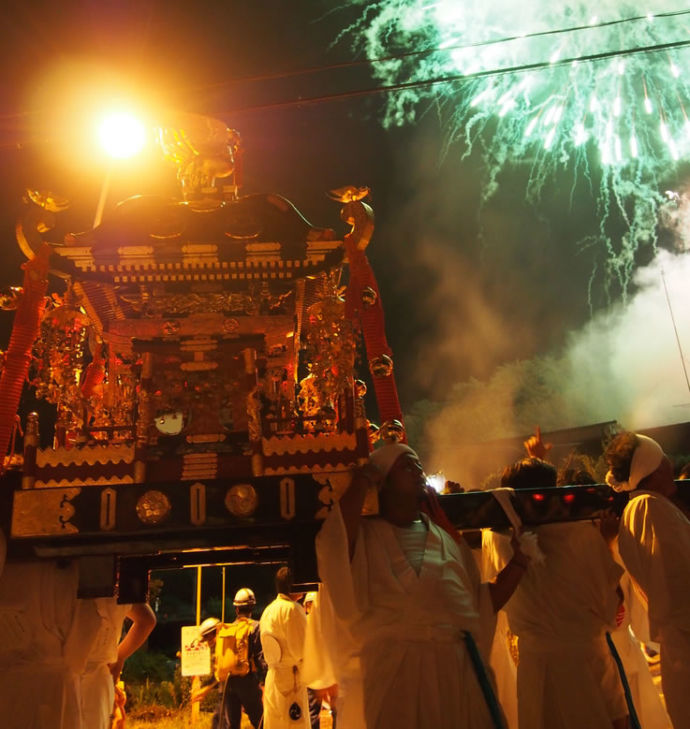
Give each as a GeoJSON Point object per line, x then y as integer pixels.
{"type": "Point", "coordinates": [531, 643]}
{"type": "Point", "coordinates": [258, 666]}
{"type": "Point", "coordinates": [411, 627]}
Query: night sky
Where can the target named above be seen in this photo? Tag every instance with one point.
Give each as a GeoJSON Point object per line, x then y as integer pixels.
{"type": "Point", "coordinates": [463, 292]}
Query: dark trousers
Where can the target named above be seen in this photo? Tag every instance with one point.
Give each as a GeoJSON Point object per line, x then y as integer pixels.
{"type": "Point", "coordinates": [239, 692]}
{"type": "Point", "coordinates": [314, 710]}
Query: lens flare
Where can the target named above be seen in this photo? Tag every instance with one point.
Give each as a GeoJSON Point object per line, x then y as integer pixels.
{"type": "Point", "coordinates": [552, 88]}
{"type": "Point", "coordinates": [121, 135]}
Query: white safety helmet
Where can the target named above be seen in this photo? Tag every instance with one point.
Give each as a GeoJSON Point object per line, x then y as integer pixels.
{"type": "Point", "coordinates": [208, 627]}
{"type": "Point", "coordinates": [243, 597]}
{"type": "Point", "coordinates": [309, 597]}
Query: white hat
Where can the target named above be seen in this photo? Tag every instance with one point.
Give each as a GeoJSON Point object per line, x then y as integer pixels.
{"type": "Point", "coordinates": [386, 455]}
{"type": "Point", "coordinates": [646, 458]}
{"type": "Point", "coordinates": [309, 597]}
{"type": "Point", "coordinates": [209, 626]}
{"type": "Point", "coordinates": [244, 596]}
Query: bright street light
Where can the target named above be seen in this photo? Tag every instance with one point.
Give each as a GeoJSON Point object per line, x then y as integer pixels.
{"type": "Point", "coordinates": [121, 135]}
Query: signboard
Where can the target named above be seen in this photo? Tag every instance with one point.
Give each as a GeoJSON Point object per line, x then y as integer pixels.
{"type": "Point", "coordinates": [195, 656]}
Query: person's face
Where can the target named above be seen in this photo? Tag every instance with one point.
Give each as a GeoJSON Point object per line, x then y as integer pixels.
{"type": "Point", "coordinates": [406, 480]}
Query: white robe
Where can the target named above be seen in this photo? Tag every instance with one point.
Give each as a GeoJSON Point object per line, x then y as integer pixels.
{"type": "Point", "coordinates": [417, 673]}
{"type": "Point", "coordinates": [504, 666]}
{"type": "Point", "coordinates": [331, 656]}
{"type": "Point", "coordinates": [654, 543]}
{"type": "Point", "coordinates": [45, 637]}
{"type": "Point", "coordinates": [560, 611]}
{"type": "Point", "coordinates": [648, 705]}
{"type": "Point", "coordinates": [97, 685]}
{"type": "Point", "coordinates": [286, 621]}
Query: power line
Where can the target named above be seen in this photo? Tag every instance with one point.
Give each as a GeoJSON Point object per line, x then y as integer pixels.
{"type": "Point", "coordinates": [675, 330]}
{"type": "Point", "coordinates": [310, 70]}
{"type": "Point", "coordinates": [421, 83]}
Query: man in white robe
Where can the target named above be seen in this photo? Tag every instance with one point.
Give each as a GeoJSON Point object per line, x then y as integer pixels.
{"type": "Point", "coordinates": [107, 656]}
{"type": "Point", "coordinates": [560, 612]}
{"type": "Point", "coordinates": [654, 544]}
{"type": "Point", "coordinates": [282, 628]}
{"type": "Point", "coordinates": [331, 662]}
{"type": "Point", "coordinates": [626, 637]}
{"type": "Point", "coordinates": [45, 637]}
{"type": "Point", "coordinates": [503, 662]}
{"type": "Point", "coordinates": [410, 594]}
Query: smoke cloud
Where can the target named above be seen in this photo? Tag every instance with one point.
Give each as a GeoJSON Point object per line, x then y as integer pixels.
{"type": "Point", "coordinates": [626, 364]}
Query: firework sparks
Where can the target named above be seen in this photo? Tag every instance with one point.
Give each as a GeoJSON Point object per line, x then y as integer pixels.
{"type": "Point", "coordinates": [595, 88]}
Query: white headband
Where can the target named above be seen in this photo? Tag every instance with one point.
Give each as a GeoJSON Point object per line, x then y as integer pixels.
{"type": "Point", "coordinates": [384, 457]}
{"type": "Point", "coordinates": [645, 460]}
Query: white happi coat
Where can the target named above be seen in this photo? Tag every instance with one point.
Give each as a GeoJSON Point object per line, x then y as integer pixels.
{"type": "Point", "coordinates": [654, 543]}
{"type": "Point", "coordinates": [416, 670]}
{"type": "Point", "coordinates": [45, 637]}
{"type": "Point", "coordinates": [97, 685]}
{"type": "Point", "coordinates": [560, 611]}
{"type": "Point", "coordinates": [286, 621]}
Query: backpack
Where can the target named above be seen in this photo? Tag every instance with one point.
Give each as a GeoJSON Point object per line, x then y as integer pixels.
{"type": "Point", "coordinates": [232, 649]}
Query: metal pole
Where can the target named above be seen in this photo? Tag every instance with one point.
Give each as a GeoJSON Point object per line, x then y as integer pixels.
{"type": "Point", "coordinates": [198, 594]}
{"type": "Point", "coordinates": [222, 601]}
{"type": "Point", "coordinates": [196, 681]}
{"type": "Point", "coordinates": [100, 208]}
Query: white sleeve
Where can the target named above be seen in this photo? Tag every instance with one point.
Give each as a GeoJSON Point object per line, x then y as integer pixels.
{"type": "Point", "coordinates": [295, 632]}
{"type": "Point", "coordinates": [652, 542]}
{"type": "Point", "coordinates": [318, 671]}
{"type": "Point", "coordinates": [496, 553]}
{"type": "Point", "coordinates": [335, 569]}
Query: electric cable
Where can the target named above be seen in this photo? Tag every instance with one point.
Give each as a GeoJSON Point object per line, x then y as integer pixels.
{"type": "Point", "coordinates": [421, 83]}
{"type": "Point", "coordinates": [309, 70]}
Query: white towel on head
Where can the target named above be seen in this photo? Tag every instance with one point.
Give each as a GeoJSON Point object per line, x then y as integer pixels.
{"type": "Point", "coordinates": [645, 460]}
{"type": "Point", "coordinates": [386, 455]}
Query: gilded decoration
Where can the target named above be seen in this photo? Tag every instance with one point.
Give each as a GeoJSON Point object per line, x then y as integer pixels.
{"type": "Point", "coordinates": [108, 510]}
{"type": "Point", "coordinates": [241, 500]}
{"type": "Point", "coordinates": [43, 512]}
{"type": "Point", "coordinates": [197, 504]}
{"type": "Point", "coordinates": [199, 334]}
{"type": "Point", "coordinates": [201, 392]}
{"type": "Point", "coordinates": [203, 149]}
{"type": "Point", "coordinates": [89, 455]}
{"type": "Point", "coordinates": [153, 507]}
{"type": "Point", "coordinates": [94, 396]}
{"type": "Point", "coordinates": [330, 346]}
{"type": "Point", "coordinates": [59, 359]}
{"type": "Point", "coordinates": [155, 301]}
{"type": "Point", "coordinates": [319, 443]}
